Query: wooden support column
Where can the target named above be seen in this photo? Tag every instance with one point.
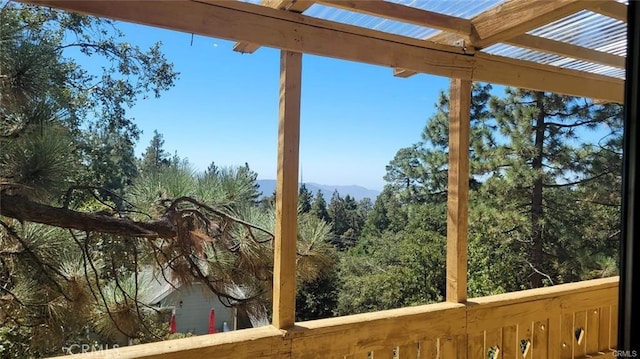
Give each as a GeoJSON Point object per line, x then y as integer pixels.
{"type": "Point", "coordinates": [286, 230]}
{"type": "Point", "coordinates": [458, 189]}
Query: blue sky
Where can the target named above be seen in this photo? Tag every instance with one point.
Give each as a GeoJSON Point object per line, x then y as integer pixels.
{"type": "Point", "coordinates": [224, 108]}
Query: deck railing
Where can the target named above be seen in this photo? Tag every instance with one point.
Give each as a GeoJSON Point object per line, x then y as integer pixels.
{"type": "Point", "coordinates": [576, 320]}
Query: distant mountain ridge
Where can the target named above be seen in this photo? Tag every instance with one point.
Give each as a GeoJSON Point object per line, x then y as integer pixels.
{"type": "Point", "coordinates": [268, 186]}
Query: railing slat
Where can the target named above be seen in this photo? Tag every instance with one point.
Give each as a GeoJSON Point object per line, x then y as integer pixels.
{"type": "Point", "coordinates": [360, 355]}
{"type": "Point", "coordinates": [408, 351]}
{"type": "Point", "coordinates": [540, 339]}
{"type": "Point", "coordinates": [510, 342]}
{"type": "Point", "coordinates": [579, 336]}
{"type": "Point", "coordinates": [386, 353]}
{"type": "Point", "coordinates": [567, 336]}
{"type": "Point", "coordinates": [605, 329]}
{"type": "Point", "coordinates": [593, 330]}
{"type": "Point", "coordinates": [525, 337]}
{"type": "Point", "coordinates": [448, 348]}
{"type": "Point", "coordinates": [475, 345]}
{"type": "Point", "coordinates": [493, 343]}
{"type": "Point", "coordinates": [614, 327]}
{"type": "Point", "coordinates": [429, 349]}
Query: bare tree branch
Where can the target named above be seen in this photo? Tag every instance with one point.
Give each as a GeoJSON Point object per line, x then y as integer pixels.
{"type": "Point", "coordinates": [539, 272]}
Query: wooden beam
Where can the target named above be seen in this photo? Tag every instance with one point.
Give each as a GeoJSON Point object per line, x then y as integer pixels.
{"type": "Point", "coordinates": [235, 20]}
{"type": "Point", "coordinates": [458, 190]}
{"type": "Point", "coordinates": [568, 50]}
{"type": "Point", "coordinates": [286, 230]}
{"type": "Point", "coordinates": [526, 74]}
{"type": "Point", "coordinates": [445, 38]}
{"type": "Point", "coordinates": [534, 76]}
{"type": "Point", "coordinates": [613, 9]}
{"type": "Point", "coordinates": [531, 19]}
{"type": "Point", "coordinates": [298, 6]}
{"type": "Point", "coordinates": [516, 17]}
{"type": "Point", "coordinates": [407, 14]}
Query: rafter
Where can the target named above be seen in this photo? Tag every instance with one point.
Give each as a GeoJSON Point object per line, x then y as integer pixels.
{"type": "Point", "coordinates": [516, 17]}
{"type": "Point", "coordinates": [407, 14]}
{"type": "Point", "coordinates": [568, 50]}
{"type": "Point", "coordinates": [531, 75]}
{"type": "Point", "coordinates": [235, 20]}
{"type": "Point", "coordinates": [613, 9]}
{"type": "Point", "coordinates": [297, 6]}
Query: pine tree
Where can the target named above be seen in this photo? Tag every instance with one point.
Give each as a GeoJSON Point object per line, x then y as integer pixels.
{"type": "Point", "coordinates": [155, 157]}
{"type": "Point", "coordinates": [304, 199]}
{"type": "Point", "coordinates": [67, 148]}
{"type": "Point", "coordinates": [319, 207]}
{"type": "Point", "coordinates": [538, 167]}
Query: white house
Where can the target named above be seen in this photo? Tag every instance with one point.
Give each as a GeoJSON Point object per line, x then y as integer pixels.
{"type": "Point", "coordinates": [192, 305]}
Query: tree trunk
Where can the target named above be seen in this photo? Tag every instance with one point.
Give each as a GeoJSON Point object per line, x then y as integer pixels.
{"type": "Point", "coordinates": [537, 211]}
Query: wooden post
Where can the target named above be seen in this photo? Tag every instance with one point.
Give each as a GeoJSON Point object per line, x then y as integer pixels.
{"type": "Point", "coordinates": [286, 230]}
{"type": "Point", "coordinates": [458, 190]}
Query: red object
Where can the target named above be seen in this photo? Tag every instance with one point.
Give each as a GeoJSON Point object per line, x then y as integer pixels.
{"type": "Point", "coordinates": [212, 321]}
{"type": "Point", "coordinates": [172, 323]}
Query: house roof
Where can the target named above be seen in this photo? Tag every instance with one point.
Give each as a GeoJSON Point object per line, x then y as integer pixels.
{"type": "Point", "coordinates": [159, 285]}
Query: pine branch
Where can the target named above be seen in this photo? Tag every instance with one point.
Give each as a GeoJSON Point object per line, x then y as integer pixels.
{"type": "Point", "coordinates": [572, 125]}
{"type": "Point", "coordinates": [569, 184]}
{"type": "Point", "coordinates": [23, 209]}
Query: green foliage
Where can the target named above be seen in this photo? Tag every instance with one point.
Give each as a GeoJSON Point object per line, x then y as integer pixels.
{"type": "Point", "coordinates": [304, 199]}
{"type": "Point", "coordinates": [110, 159]}
{"type": "Point", "coordinates": [537, 171]}
{"type": "Point", "coordinates": [229, 187]}
{"type": "Point", "coordinates": [318, 299]}
{"type": "Point", "coordinates": [40, 165]}
{"type": "Point", "coordinates": [64, 127]}
{"type": "Point", "coordinates": [155, 157]}
{"type": "Point", "coordinates": [392, 271]}
{"type": "Point", "coordinates": [387, 213]}
{"type": "Point", "coordinates": [319, 207]}
{"type": "Point", "coordinates": [41, 86]}
{"type": "Point", "coordinates": [544, 203]}
{"type": "Point", "coordinates": [347, 218]}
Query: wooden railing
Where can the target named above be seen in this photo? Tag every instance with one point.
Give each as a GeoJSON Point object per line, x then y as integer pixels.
{"type": "Point", "coordinates": [576, 320]}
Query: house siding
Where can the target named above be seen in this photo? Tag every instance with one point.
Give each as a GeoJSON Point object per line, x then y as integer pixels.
{"type": "Point", "coordinates": [193, 315]}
